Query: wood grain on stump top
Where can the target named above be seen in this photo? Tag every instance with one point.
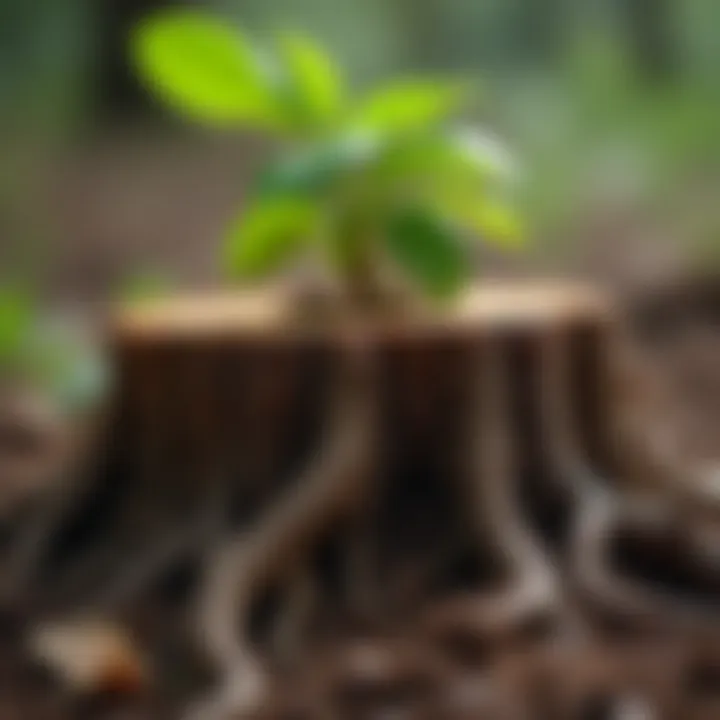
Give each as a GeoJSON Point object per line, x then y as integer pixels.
{"type": "Point", "coordinates": [272, 314]}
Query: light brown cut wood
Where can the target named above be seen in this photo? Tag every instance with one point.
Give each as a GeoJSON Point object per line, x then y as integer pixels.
{"type": "Point", "coordinates": [272, 314]}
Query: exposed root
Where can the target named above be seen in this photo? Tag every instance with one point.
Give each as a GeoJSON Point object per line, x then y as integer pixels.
{"type": "Point", "coordinates": [36, 538]}
{"type": "Point", "coordinates": [392, 677]}
{"type": "Point", "coordinates": [360, 574]}
{"type": "Point", "coordinates": [565, 455]}
{"type": "Point", "coordinates": [332, 486]}
{"type": "Point", "coordinates": [633, 599]}
{"type": "Point", "coordinates": [652, 447]}
{"type": "Point", "coordinates": [177, 544]}
{"type": "Point", "coordinates": [414, 580]}
{"type": "Point", "coordinates": [495, 502]}
{"type": "Point", "coordinates": [290, 633]}
{"type": "Point", "coordinates": [671, 505]}
{"type": "Point", "coordinates": [529, 590]}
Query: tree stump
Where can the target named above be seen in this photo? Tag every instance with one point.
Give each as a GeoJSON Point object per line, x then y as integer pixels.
{"type": "Point", "coordinates": [375, 472]}
{"type": "Point", "coordinates": [378, 510]}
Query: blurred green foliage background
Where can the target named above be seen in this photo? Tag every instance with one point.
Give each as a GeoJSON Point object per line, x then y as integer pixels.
{"type": "Point", "coordinates": [612, 105]}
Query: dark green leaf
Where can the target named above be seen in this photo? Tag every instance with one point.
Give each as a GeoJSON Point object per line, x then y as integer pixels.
{"type": "Point", "coordinates": [428, 251]}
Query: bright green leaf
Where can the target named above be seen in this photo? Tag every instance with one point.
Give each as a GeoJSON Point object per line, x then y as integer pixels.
{"type": "Point", "coordinates": [204, 68]}
{"type": "Point", "coordinates": [428, 251]}
{"type": "Point", "coordinates": [448, 156]}
{"type": "Point", "coordinates": [410, 106]}
{"type": "Point", "coordinates": [268, 235]}
{"type": "Point", "coordinates": [495, 222]}
{"type": "Point", "coordinates": [316, 87]}
{"type": "Point", "coordinates": [498, 224]}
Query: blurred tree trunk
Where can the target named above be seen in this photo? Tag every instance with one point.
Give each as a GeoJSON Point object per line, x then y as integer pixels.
{"type": "Point", "coordinates": [118, 94]}
{"type": "Point", "coordinates": [424, 26]}
{"type": "Point", "coordinates": [542, 29]}
{"type": "Point", "coordinates": [451, 34]}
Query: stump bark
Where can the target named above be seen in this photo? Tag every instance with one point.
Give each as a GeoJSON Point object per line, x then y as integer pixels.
{"type": "Point", "coordinates": [373, 470]}
{"type": "Point", "coordinates": [235, 386]}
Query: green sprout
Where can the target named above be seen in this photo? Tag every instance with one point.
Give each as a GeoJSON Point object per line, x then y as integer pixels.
{"type": "Point", "coordinates": [47, 356]}
{"type": "Point", "coordinates": [376, 184]}
{"type": "Point", "coordinates": [17, 313]}
{"type": "Point", "coordinates": [144, 286]}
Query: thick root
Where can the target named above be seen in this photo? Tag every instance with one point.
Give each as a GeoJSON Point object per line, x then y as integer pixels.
{"type": "Point", "coordinates": [529, 589]}
{"type": "Point", "coordinates": [332, 487]}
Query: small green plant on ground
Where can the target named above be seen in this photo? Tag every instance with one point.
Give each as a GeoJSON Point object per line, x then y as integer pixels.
{"type": "Point", "coordinates": [46, 356]}
{"type": "Point", "coordinates": [384, 184]}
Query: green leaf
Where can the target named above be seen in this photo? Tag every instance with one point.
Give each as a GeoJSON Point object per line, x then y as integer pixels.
{"type": "Point", "coordinates": [204, 68]}
{"type": "Point", "coordinates": [496, 222]}
{"type": "Point", "coordinates": [485, 153]}
{"type": "Point", "coordinates": [466, 176]}
{"type": "Point", "coordinates": [319, 168]}
{"type": "Point", "coordinates": [428, 251]}
{"type": "Point", "coordinates": [455, 157]}
{"type": "Point", "coordinates": [268, 235]}
{"type": "Point", "coordinates": [409, 106]}
{"type": "Point", "coordinates": [316, 86]}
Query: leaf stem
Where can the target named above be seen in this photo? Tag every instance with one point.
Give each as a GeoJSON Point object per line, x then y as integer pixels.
{"type": "Point", "coordinates": [356, 263]}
